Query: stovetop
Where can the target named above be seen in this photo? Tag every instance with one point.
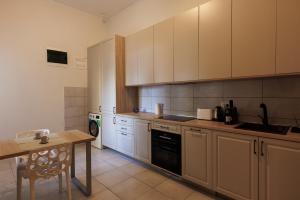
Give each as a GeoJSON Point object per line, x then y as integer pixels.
{"type": "Point", "coordinates": [177, 118]}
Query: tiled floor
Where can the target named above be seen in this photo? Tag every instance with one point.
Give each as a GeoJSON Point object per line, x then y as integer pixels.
{"type": "Point", "coordinates": [114, 177]}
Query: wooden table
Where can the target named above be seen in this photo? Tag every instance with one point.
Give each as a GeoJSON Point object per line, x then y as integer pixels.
{"type": "Point", "coordinates": [22, 146]}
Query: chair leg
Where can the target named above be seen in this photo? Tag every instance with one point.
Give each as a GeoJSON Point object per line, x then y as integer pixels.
{"type": "Point", "coordinates": [32, 189]}
{"type": "Point", "coordinates": [60, 182]}
{"type": "Point", "coordinates": [68, 179]}
{"type": "Point", "coordinates": [19, 185]}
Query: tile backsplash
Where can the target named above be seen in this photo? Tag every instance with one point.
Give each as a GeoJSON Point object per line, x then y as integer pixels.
{"type": "Point", "coordinates": [280, 94]}
{"type": "Point", "coordinates": [76, 116]}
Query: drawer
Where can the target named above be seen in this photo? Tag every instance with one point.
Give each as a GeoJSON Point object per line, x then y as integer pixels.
{"type": "Point", "coordinates": [125, 143]}
{"type": "Point", "coordinates": [125, 121]}
{"type": "Point", "coordinates": [196, 130]}
{"type": "Point", "coordinates": [166, 127]}
{"type": "Point", "coordinates": [125, 128]}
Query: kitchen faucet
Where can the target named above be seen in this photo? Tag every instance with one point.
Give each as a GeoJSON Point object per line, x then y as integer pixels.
{"type": "Point", "coordinates": [264, 118]}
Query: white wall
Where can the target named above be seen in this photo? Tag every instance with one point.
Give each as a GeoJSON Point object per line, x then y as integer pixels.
{"type": "Point", "coordinates": [31, 92]}
{"type": "Point", "coordinates": [145, 13]}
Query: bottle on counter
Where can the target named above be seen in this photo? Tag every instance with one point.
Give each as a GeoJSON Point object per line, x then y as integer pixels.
{"type": "Point", "coordinates": [228, 116]}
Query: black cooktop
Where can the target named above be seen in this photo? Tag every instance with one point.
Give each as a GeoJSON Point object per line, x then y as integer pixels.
{"type": "Point", "coordinates": [176, 118]}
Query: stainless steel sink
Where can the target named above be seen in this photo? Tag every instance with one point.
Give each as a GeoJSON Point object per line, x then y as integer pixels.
{"type": "Point", "coordinates": [275, 129]}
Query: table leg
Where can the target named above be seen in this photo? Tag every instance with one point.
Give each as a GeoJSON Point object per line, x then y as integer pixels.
{"type": "Point", "coordinates": [87, 188]}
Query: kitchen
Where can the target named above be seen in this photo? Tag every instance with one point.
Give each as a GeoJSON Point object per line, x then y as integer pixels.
{"type": "Point", "coordinates": [202, 95]}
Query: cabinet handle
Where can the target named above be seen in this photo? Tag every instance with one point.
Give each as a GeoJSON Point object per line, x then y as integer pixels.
{"type": "Point", "coordinates": [123, 133]}
{"type": "Point", "coordinates": [164, 127]}
{"type": "Point", "coordinates": [193, 129]}
{"type": "Point", "coordinates": [99, 108]}
{"type": "Point", "coordinates": [114, 110]}
{"type": "Point", "coordinates": [149, 127]}
{"type": "Point", "coordinates": [123, 128]}
{"type": "Point", "coordinates": [262, 148]}
{"type": "Point", "coordinates": [114, 120]}
{"type": "Point", "coordinates": [124, 121]}
{"type": "Point", "coordinates": [255, 147]}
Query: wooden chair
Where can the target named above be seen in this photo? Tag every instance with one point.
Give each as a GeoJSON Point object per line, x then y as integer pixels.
{"type": "Point", "coordinates": [46, 163]}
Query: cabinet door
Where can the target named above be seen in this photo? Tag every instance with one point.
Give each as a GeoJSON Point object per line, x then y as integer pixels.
{"type": "Point", "coordinates": [186, 46]}
{"type": "Point", "coordinates": [215, 39]}
{"type": "Point", "coordinates": [131, 60]}
{"type": "Point", "coordinates": [253, 37]}
{"type": "Point", "coordinates": [145, 56]}
{"type": "Point", "coordinates": [125, 143]}
{"type": "Point", "coordinates": [279, 170]}
{"type": "Point", "coordinates": [163, 51]}
{"type": "Point", "coordinates": [197, 156]}
{"type": "Point", "coordinates": [142, 140]}
{"type": "Point", "coordinates": [94, 79]}
{"type": "Point", "coordinates": [108, 130]}
{"type": "Point", "coordinates": [236, 165]}
{"type": "Point", "coordinates": [108, 76]}
{"type": "Point", "coordinates": [288, 33]}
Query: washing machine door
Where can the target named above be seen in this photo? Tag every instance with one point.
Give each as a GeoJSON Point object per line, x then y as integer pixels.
{"type": "Point", "coordinates": [94, 128]}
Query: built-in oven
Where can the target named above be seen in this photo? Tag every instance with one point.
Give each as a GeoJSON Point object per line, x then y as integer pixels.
{"type": "Point", "coordinates": [166, 149]}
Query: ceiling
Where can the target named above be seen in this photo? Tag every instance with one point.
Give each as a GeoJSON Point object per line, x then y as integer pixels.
{"type": "Point", "coordinates": [103, 8]}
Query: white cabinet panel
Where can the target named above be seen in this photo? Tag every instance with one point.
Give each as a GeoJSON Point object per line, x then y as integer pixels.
{"type": "Point", "coordinates": [142, 130]}
{"type": "Point", "coordinates": [131, 60]}
{"type": "Point", "coordinates": [109, 130]}
{"type": "Point", "coordinates": [125, 143]}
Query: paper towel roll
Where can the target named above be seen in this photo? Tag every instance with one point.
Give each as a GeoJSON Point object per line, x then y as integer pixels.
{"type": "Point", "coordinates": [159, 109]}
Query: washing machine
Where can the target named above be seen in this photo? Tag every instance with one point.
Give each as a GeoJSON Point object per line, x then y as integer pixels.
{"type": "Point", "coordinates": [95, 125]}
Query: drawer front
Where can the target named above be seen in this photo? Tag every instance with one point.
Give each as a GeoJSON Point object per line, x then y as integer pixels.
{"type": "Point", "coordinates": [124, 121]}
{"type": "Point", "coordinates": [125, 143]}
{"type": "Point", "coordinates": [124, 128]}
{"type": "Point", "coordinates": [166, 127]}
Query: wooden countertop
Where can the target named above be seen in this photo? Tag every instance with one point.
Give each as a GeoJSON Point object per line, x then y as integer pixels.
{"type": "Point", "coordinates": [21, 146]}
{"type": "Point", "coordinates": [217, 126]}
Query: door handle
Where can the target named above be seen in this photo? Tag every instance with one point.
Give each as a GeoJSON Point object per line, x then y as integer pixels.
{"type": "Point", "coordinates": [114, 110]}
{"type": "Point", "coordinates": [255, 147]}
{"type": "Point", "coordinates": [99, 108]}
{"type": "Point", "coordinates": [262, 148]}
{"type": "Point", "coordinates": [149, 127]}
{"type": "Point", "coordinates": [114, 120]}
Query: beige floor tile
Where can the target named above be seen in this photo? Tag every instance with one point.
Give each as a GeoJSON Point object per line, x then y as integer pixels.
{"type": "Point", "coordinates": [102, 168]}
{"type": "Point", "coordinates": [132, 169]}
{"type": "Point", "coordinates": [198, 196]}
{"type": "Point", "coordinates": [150, 178]}
{"type": "Point", "coordinates": [153, 195]}
{"type": "Point", "coordinates": [105, 195]}
{"type": "Point", "coordinates": [118, 161]}
{"type": "Point", "coordinates": [130, 189]}
{"type": "Point", "coordinates": [112, 177]}
{"type": "Point", "coordinates": [174, 189]}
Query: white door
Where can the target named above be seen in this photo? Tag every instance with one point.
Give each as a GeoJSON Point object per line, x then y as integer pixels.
{"type": "Point", "coordinates": [94, 79]}
{"type": "Point", "coordinates": [236, 165]}
{"type": "Point", "coordinates": [288, 42]}
{"type": "Point", "coordinates": [186, 46]}
{"type": "Point", "coordinates": [108, 76]}
{"type": "Point", "coordinates": [109, 130]}
{"type": "Point", "coordinates": [215, 39]}
{"type": "Point", "coordinates": [142, 130]}
{"type": "Point", "coordinates": [197, 162]}
{"type": "Point", "coordinates": [279, 170]}
{"type": "Point", "coordinates": [253, 37]}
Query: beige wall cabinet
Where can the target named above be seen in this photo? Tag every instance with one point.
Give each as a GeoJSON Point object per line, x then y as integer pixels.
{"type": "Point", "coordinates": [94, 79]}
{"type": "Point", "coordinates": [186, 46]}
{"type": "Point", "coordinates": [215, 40]}
{"type": "Point", "coordinates": [253, 37]}
{"type": "Point", "coordinates": [109, 130]}
{"type": "Point", "coordinates": [236, 165]}
{"type": "Point", "coordinates": [197, 156]}
{"type": "Point", "coordinates": [279, 170]}
{"type": "Point", "coordinates": [131, 60]}
{"type": "Point", "coordinates": [163, 52]}
{"type": "Point", "coordinates": [142, 130]}
{"type": "Point", "coordinates": [288, 32]}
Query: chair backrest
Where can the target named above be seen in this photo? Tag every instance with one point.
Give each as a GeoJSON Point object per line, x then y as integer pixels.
{"type": "Point", "coordinates": [49, 161]}
{"type": "Point", "coordinates": [32, 133]}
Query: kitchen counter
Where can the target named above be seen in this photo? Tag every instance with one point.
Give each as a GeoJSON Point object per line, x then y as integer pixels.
{"type": "Point", "coordinates": [212, 125]}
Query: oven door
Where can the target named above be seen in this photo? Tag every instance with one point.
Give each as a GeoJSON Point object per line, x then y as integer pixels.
{"type": "Point", "coordinates": [166, 151]}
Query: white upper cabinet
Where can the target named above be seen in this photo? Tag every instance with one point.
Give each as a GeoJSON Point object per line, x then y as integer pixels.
{"type": "Point", "coordinates": [253, 37]}
{"type": "Point", "coordinates": [131, 60]}
{"type": "Point", "coordinates": [163, 51]}
{"type": "Point", "coordinates": [288, 36]}
{"type": "Point", "coordinates": [145, 56]}
{"type": "Point", "coordinates": [215, 39]}
{"type": "Point", "coordinates": [108, 56]}
{"type": "Point", "coordinates": [94, 79]}
{"type": "Point", "coordinates": [186, 46]}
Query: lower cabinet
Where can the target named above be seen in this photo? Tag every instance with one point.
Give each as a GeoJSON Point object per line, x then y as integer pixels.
{"type": "Point", "coordinates": [109, 130]}
{"type": "Point", "coordinates": [197, 158]}
{"type": "Point", "coordinates": [125, 143]}
{"type": "Point", "coordinates": [142, 130]}
{"type": "Point", "coordinates": [279, 170]}
{"type": "Point", "coordinates": [236, 165]}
